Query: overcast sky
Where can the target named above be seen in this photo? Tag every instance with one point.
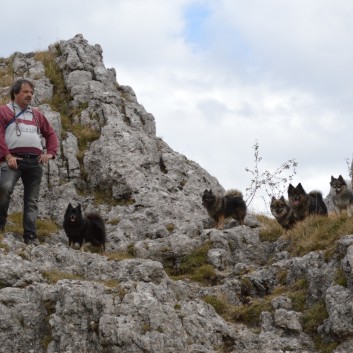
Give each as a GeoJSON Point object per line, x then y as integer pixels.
{"type": "Point", "coordinates": [220, 75]}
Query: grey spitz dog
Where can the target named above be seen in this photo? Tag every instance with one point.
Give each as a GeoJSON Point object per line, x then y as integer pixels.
{"type": "Point", "coordinates": [222, 207]}
{"type": "Point", "coordinates": [282, 212]}
{"type": "Point", "coordinates": [342, 195]}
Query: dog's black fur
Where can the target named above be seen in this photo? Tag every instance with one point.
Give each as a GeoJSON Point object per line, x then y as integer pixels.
{"type": "Point", "coordinates": [81, 230]}
{"type": "Point", "coordinates": [304, 204]}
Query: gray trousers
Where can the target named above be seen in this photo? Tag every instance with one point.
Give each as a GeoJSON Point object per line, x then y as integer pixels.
{"type": "Point", "coordinates": [30, 171]}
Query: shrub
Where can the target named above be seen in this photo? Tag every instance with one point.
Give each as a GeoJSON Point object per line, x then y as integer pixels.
{"type": "Point", "coordinates": [274, 183]}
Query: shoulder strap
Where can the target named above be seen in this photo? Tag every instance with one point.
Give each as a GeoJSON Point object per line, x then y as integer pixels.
{"type": "Point", "coordinates": [15, 117]}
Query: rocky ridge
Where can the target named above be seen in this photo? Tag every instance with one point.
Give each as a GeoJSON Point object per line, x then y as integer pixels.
{"type": "Point", "coordinates": [152, 207]}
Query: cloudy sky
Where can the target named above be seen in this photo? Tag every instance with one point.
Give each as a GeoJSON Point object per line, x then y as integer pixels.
{"type": "Point", "coordinates": [220, 75]}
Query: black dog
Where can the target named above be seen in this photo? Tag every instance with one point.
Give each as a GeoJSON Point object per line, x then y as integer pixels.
{"type": "Point", "coordinates": [81, 230]}
{"type": "Point", "coordinates": [304, 204]}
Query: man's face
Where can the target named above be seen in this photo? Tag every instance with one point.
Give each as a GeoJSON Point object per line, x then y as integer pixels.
{"type": "Point", "coordinates": [24, 97]}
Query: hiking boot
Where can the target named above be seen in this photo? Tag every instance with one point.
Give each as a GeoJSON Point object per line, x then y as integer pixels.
{"type": "Point", "coordinates": [30, 239]}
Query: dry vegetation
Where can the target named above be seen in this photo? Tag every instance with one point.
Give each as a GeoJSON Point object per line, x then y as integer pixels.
{"type": "Point", "coordinates": [312, 234]}
{"type": "Point", "coordinates": [318, 233]}
{"type": "Point", "coordinates": [54, 276]}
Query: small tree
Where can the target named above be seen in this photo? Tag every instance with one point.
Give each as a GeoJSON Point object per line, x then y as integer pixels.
{"type": "Point", "coordinates": [350, 169]}
{"type": "Point", "coordinates": [274, 183]}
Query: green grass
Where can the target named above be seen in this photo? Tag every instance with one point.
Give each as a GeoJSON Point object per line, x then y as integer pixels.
{"type": "Point", "coordinates": [312, 318]}
{"type": "Point", "coordinates": [250, 314]}
{"type": "Point", "coordinates": [194, 267]}
{"type": "Point", "coordinates": [61, 97]}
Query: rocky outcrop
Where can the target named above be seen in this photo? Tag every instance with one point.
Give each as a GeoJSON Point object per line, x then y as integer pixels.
{"type": "Point", "coordinates": [57, 299]}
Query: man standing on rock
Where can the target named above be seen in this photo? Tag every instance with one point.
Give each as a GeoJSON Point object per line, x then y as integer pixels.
{"type": "Point", "coordinates": [22, 154]}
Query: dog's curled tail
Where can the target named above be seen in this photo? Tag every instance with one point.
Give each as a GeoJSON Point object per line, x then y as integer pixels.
{"type": "Point", "coordinates": [234, 193]}
{"type": "Point", "coordinates": [315, 193]}
{"type": "Point", "coordinates": [94, 216]}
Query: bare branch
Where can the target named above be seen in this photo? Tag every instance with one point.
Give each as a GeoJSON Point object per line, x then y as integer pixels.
{"type": "Point", "coordinates": [274, 183]}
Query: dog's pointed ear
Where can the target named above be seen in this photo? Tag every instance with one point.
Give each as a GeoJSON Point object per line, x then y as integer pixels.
{"type": "Point", "coordinates": [332, 178]}
{"type": "Point", "coordinates": [273, 198]}
{"type": "Point", "coordinates": [282, 198]}
{"type": "Point", "coordinates": [79, 207]}
{"type": "Point", "coordinates": [290, 187]}
{"type": "Point", "coordinates": [69, 205]}
{"type": "Point", "coordinates": [300, 187]}
{"type": "Point", "coordinates": [340, 177]}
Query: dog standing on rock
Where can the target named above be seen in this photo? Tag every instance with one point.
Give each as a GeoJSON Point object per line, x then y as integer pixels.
{"type": "Point", "coordinates": [342, 195]}
{"type": "Point", "coordinates": [283, 213]}
{"type": "Point", "coordinates": [222, 207]}
{"type": "Point", "coordinates": [84, 229]}
{"type": "Point", "coordinates": [304, 204]}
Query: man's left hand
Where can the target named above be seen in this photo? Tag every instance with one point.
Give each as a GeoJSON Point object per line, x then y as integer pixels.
{"type": "Point", "coordinates": [44, 158]}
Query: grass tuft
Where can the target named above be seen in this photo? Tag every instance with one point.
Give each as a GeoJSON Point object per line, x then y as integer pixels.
{"type": "Point", "coordinates": [195, 267]}
{"type": "Point", "coordinates": [318, 233]}
{"type": "Point", "coordinates": [54, 276]}
{"type": "Point", "coordinates": [119, 255]}
{"type": "Point", "coordinates": [271, 229]}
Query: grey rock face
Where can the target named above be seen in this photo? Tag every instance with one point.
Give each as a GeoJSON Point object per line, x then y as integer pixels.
{"type": "Point", "coordinates": [56, 299]}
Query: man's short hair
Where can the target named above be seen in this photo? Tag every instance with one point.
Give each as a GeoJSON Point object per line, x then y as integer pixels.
{"type": "Point", "coordinates": [17, 85]}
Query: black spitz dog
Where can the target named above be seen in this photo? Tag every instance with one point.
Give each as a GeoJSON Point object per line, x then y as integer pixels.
{"type": "Point", "coordinates": [81, 230]}
{"type": "Point", "coordinates": [304, 204]}
{"type": "Point", "coordinates": [221, 207]}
